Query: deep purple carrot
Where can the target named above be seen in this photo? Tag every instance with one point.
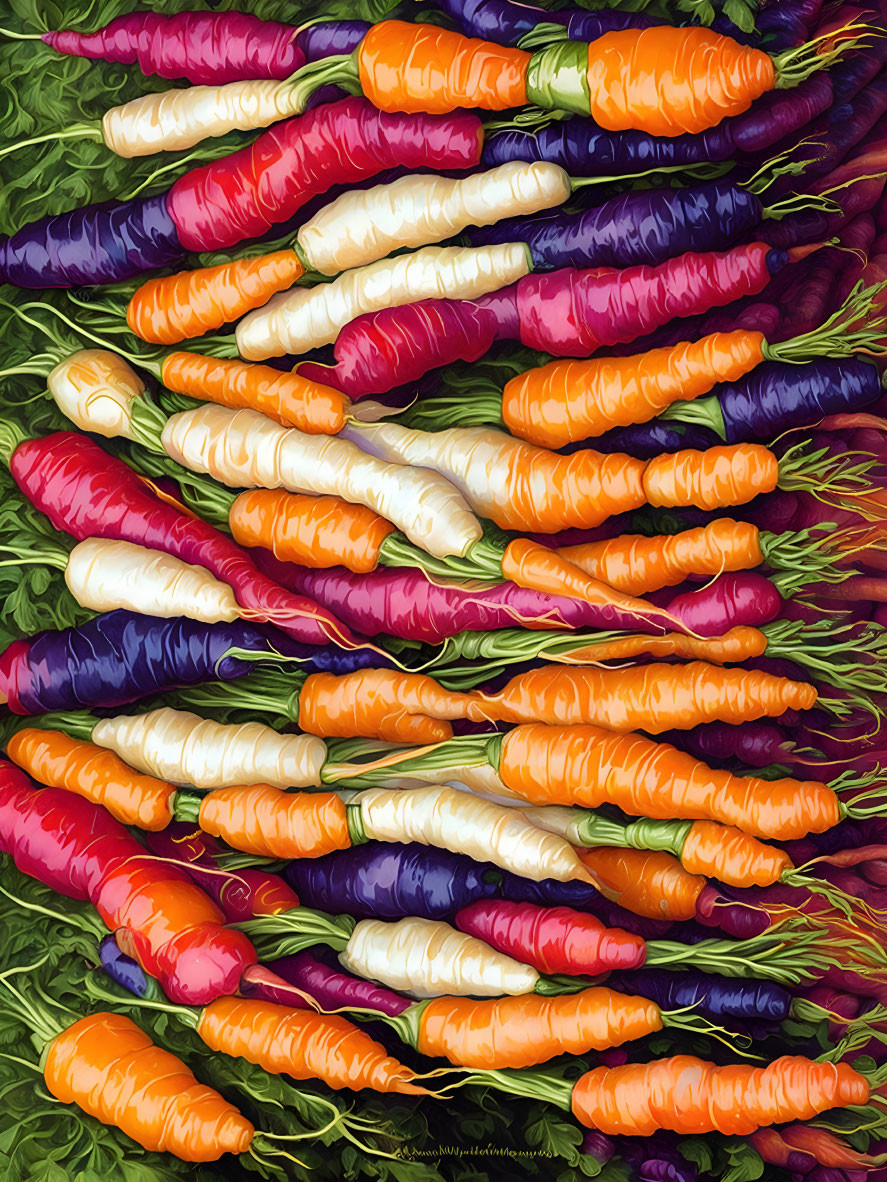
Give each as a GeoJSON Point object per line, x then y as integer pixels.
{"type": "Point", "coordinates": [334, 989]}
{"type": "Point", "coordinates": [584, 149]}
{"type": "Point", "coordinates": [507, 22]}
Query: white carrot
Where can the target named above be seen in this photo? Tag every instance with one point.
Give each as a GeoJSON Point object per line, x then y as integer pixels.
{"type": "Point", "coordinates": [184, 748]}
{"type": "Point", "coordinates": [427, 958]}
{"type": "Point", "coordinates": [95, 388]}
{"type": "Point", "coordinates": [466, 824]}
{"type": "Point", "coordinates": [515, 484]}
{"type": "Point", "coordinates": [364, 225]}
{"type": "Point", "coordinates": [305, 318]}
{"type": "Point", "coordinates": [176, 119]}
{"type": "Point", "coordinates": [103, 574]}
{"type": "Point", "coordinates": [244, 449]}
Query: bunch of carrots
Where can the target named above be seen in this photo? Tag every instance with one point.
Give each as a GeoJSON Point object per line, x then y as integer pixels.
{"type": "Point", "coordinates": [443, 544]}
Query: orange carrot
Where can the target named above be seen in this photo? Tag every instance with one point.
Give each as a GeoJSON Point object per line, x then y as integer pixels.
{"type": "Point", "coordinates": [739, 644]}
{"type": "Point", "coordinates": [379, 703]}
{"type": "Point", "coordinates": [413, 68]}
{"type": "Point", "coordinates": [636, 564]}
{"type": "Point", "coordinates": [303, 1045]}
{"type": "Point", "coordinates": [588, 766]}
{"type": "Point", "coordinates": [566, 401]}
{"type": "Point", "coordinates": [648, 882]}
{"type": "Point", "coordinates": [667, 80]}
{"type": "Point", "coordinates": [287, 398]}
{"type": "Point", "coordinates": [521, 1030]}
{"type": "Point", "coordinates": [96, 773]}
{"type": "Point", "coordinates": [653, 698]}
{"type": "Point", "coordinates": [110, 1068]}
{"type": "Point", "coordinates": [731, 856]}
{"type": "Point", "coordinates": [537, 567]}
{"type": "Point", "coordinates": [317, 532]}
{"type": "Point", "coordinates": [690, 1096]}
{"type": "Point", "coordinates": [263, 820]}
{"type": "Point", "coordinates": [190, 303]}
{"type": "Point", "coordinates": [711, 479]}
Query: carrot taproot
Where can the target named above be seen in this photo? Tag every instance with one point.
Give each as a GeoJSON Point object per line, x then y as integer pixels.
{"type": "Point", "coordinates": [287, 398]}
{"type": "Point", "coordinates": [303, 1044]}
{"type": "Point", "coordinates": [55, 759]}
{"type": "Point", "coordinates": [589, 766]}
{"type": "Point", "coordinates": [653, 698]}
{"type": "Point", "coordinates": [383, 703]}
{"type": "Point", "coordinates": [739, 644]}
{"type": "Point", "coordinates": [415, 68]}
{"type": "Point", "coordinates": [521, 1030]}
{"type": "Point", "coordinates": [261, 819]}
{"type": "Point", "coordinates": [636, 564]}
{"type": "Point", "coordinates": [188, 304]}
{"type": "Point", "coordinates": [112, 1070]}
{"type": "Point", "coordinates": [652, 883]}
{"type": "Point", "coordinates": [731, 856]}
{"type": "Point", "coordinates": [690, 1096]}
{"type": "Point", "coordinates": [530, 565]}
{"type": "Point", "coordinates": [316, 532]}
{"type": "Point", "coordinates": [568, 400]}
{"type": "Point", "coordinates": [711, 479]}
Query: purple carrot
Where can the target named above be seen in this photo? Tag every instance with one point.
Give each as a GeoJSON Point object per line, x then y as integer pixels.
{"type": "Point", "coordinates": [260, 981]}
{"type": "Point", "coordinates": [645, 441]}
{"type": "Point", "coordinates": [713, 996]}
{"type": "Point", "coordinates": [643, 226]}
{"type": "Point", "coordinates": [756, 744]}
{"type": "Point", "coordinates": [126, 972]}
{"type": "Point", "coordinates": [103, 243]}
{"type": "Point", "coordinates": [569, 313]}
{"type": "Point", "coordinates": [584, 149]}
{"type": "Point", "coordinates": [507, 22]}
{"type": "Point", "coordinates": [334, 989]}
{"type": "Point", "coordinates": [122, 656]}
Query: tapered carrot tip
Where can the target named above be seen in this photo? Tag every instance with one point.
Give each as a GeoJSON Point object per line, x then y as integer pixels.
{"type": "Point", "coordinates": [527, 564]}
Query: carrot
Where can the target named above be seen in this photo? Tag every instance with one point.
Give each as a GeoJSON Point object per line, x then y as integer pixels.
{"type": "Point", "coordinates": [110, 1068]}
{"type": "Point", "coordinates": [652, 883]}
{"type": "Point", "coordinates": [566, 400]}
{"type": "Point", "coordinates": [733, 857]}
{"type": "Point", "coordinates": [521, 1030]}
{"type": "Point", "coordinates": [690, 1096]}
{"type": "Point", "coordinates": [588, 766]}
{"type": "Point", "coordinates": [739, 644]}
{"type": "Point", "coordinates": [653, 698]}
{"type": "Point", "coordinates": [190, 303]}
{"type": "Point", "coordinates": [261, 819]}
{"type": "Point", "coordinates": [636, 564]}
{"type": "Point", "coordinates": [711, 479]}
{"type": "Point", "coordinates": [94, 773]}
{"type": "Point", "coordinates": [316, 532]}
{"type": "Point", "coordinates": [287, 398]}
{"type": "Point", "coordinates": [303, 1045]}
{"type": "Point", "coordinates": [415, 68]}
{"type": "Point", "coordinates": [527, 564]}
{"type": "Point", "coordinates": [385, 703]}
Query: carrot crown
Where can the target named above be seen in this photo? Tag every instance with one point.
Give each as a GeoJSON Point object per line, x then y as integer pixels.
{"type": "Point", "coordinates": [292, 931]}
{"type": "Point", "coordinates": [361, 763]}
{"type": "Point", "coordinates": [272, 695]}
{"type": "Point", "coordinates": [341, 69]}
{"type": "Point", "coordinates": [858, 326]}
{"type": "Point", "coordinates": [482, 560]}
{"type": "Point", "coordinates": [794, 66]}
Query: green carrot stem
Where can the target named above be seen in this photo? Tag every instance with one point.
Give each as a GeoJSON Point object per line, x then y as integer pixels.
{"type": "Point", "coordinates": [187, 1014]}
{"type": "Point", "coordinates": [301, 924]}
{"type": "Point", "coordinates": [794, 66]}
{"type": "Point", "coordinates": [855, 327]}
{"type": "Point", "coordinates": [79, 724]}
{"type": "Point", "coordinates": [531, 1085]}
{"type": "Point", "coordinates": [263, 692]}
{"type": "Point", "coordinates": [339, 70]}
{"type": "Point", "coordinates": [483, 409]}
{"type": "Point", "coordinates": [11, 437]}
{"type": "Point", "coordinates": [844, 657]}
{"type": "Point", "coordinates": [483, 560]}
{"type": "Point", "coordinates": [704, 412]}
{"type": "Point", "coordinates": [463, 751]}
{"type": "Point", "coordinates": [209, 150]}
{"type": "Point", "coordinates": [817, 472]}
{"type": "Point", "coordinates": [798, 203]}
{"type": "Point", "coordinates": [33, 1007]}
{"type": "Point", "coordinates": [80, 131]}
{"type": "Point", "coordinates": [801, 557]}
{"type": "Point", "coordinates": [789, 957]}
{"type": "Point", "coordinates": [147, 421]}
{"type": "Point", "coordinates": [545, 33]}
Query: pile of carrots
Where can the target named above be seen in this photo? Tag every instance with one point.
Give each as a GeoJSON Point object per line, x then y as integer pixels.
{"type": "Point", "coordinates": [443, 649]}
